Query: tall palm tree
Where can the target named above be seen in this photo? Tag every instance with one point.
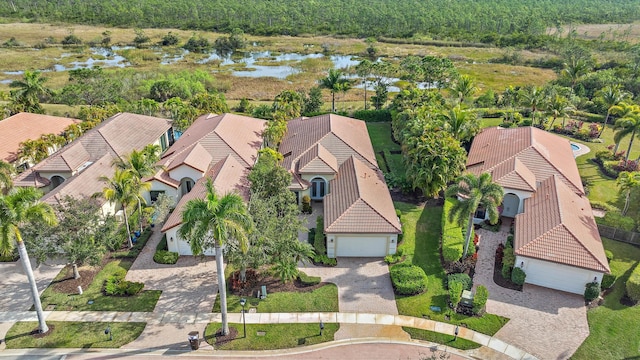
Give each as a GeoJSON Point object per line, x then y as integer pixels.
{"type": "Point", "coordinates": [628, 181]}
{"type": "Point", "coordinates": [622, 110]}
{"type": "Point", "coordinates": [610, 96]}
{"type": "Point", "coordinates": [532, 96]}
{"type": "Point", "coordinates": [558, 106]}
{"type": "Point", "coordinates": [462, 124]}
{"type": "Point", "coordinates": [124, 188]}
{"type": "Point", "coordinates": [510, 97]}
{"type": "Point", "coordinates": [6, 173]}
{"type": "Point", "coordinates": [473, 192]}
{"type": "Point", "coordinates": [464, 87]}
{"type": "Point", "coordinates": [627, 125]}
{"type": "Point", "coordinates": [364, 69]}
{"type": "Point", "coordinates": [334, 82]}
{"type": "Point", "coordinates": [28, 91]}
{"type": "Point", "coordinates": [211, 222]}
{"type": "Point", "coordinates": [18, 208]}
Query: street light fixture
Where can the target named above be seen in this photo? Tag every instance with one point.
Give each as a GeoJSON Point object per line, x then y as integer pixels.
{"type": "Point", "coordinates": [108, 331]}
{"type": "Point", "coordinates": [243, 302]}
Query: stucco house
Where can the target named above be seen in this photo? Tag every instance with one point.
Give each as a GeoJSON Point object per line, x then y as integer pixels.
{"type": "Point", "coordinates": [27, 126]}
{"type": "Point", "coordinates": [75, 169]}
{"type": "Point", "coordinates": [332, 161]}
{"type": "Point", "coordinates": [557, 243]}
{"type": "Point", "coordinates": [222, 148]}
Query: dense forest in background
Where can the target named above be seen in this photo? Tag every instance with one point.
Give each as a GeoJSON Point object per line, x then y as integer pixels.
{"type": "Point", "coordinates": [479, 20]}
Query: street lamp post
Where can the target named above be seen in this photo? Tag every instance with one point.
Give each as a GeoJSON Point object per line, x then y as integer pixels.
{"type": "Point", "coordinates": [243, 301]}
{"type": "Point", "coordinates": [108, 331]}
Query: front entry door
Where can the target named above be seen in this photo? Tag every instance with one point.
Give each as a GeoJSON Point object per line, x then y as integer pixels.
{"type": "Point", "coordinates": [318, 188]}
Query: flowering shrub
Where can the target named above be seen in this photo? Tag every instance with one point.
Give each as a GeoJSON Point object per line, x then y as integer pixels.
{"type": "Point", "coordinates": [628, 165]}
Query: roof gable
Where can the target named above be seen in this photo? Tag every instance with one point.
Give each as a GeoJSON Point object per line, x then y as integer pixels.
{"type": "Point", "coordinates": [196, 157]}
{"type": "Point", "coordinates": [513, 174]}
{"type": "Point", "coordinates": [318, 160]}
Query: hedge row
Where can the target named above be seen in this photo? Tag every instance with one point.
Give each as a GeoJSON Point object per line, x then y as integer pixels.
{"type": "Point", "coordinates": [633, 285]}
{"type": "Point", "coordinates": [408, 279]}
{"type": "Point", "coordinates": [452, 234]}
{"type": "Point", "coordinates": [372, 115]}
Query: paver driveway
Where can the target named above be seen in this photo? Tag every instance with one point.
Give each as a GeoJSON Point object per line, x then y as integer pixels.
{"type": "Point", "coordinates": [14, 288]}
{"type": "Point", "coordinates": [547, 323]}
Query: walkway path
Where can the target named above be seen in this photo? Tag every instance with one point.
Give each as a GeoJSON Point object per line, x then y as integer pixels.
{"type": "Point", "coordinates": [547, 323]}
{"type": "Point", "coordinates": [196, 321]}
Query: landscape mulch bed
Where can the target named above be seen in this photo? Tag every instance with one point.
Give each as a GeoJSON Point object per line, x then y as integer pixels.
{"type": "Point", "coordinates": [255, 281]}
{"type": "Point", "coordinates": [500, 281]}
{"type": "Point", "coordinates": [69, 285]}
{"type": "Point", "coordinates": [223, 339]}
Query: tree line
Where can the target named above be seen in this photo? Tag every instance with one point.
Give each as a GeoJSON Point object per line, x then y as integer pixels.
{"type": "Point", "coordinates": [457, 19]}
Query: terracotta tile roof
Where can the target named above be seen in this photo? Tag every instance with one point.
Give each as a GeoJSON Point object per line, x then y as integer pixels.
{"type": "Point", "coordinates": [67, 161]}
{"type": "Point", "coordinates": [543, 153]}
{"type": "Point", "coordinates": [317, 160]}
{"type": "Point", "coordinates": [341, 136]}
{"type": "Point", "coordinates": [125, 131]}
{"type": "Point", "coordinates": [557, 225]}
{"type": "Point", "coordinates": [26, 126]}
{"type": "Point", "coordinates": [31, 179]}
{"type": "Point", "coordinates": [359, 201]}
{"type": "Point", "coordinates": [514, 174]}
{"type": "Point", "coordinates": [196, 157]}
{"type": "Point", "coordinates": [83, 184]}
{"type": "Point", "coordinates": [298, 183]}
{"type": "Point", "coordinates": [228, 175]}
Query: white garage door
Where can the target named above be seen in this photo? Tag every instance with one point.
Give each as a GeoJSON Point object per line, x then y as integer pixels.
{"type": "Point", "coordinates": [556, 276]}
{"type": "Point", "coordinates": [361, 246]}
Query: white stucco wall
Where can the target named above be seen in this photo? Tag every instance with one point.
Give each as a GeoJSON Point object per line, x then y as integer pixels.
{"type": "Point", "coordinates": [556, 276]}
{"type": "Point", "coordinates": [184, 171]}
{"type": "Point", "coordinates": [521, 194]}
{"type": "Point", "coordinates": [160, 186]}
{"type": "Point", "coordinates": [176, 244]}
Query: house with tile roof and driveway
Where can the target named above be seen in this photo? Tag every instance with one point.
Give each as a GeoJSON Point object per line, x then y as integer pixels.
{"type": "Point", "coordinates": [557, 243]}
{"type": "Point", "coordinates": [21, 127]}
{"type": "Point", "coordinates": [330, 157]}
{"type": "Point", "coordinates": [75, 169]}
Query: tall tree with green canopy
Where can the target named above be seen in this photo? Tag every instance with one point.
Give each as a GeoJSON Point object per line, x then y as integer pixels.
{"type": "Point", "coordinates": [123, 188]}
{"type": "Point", "coordinates": [27, 93]}
{"type": "Point", "coordinates": [334, 82]}
{"type": "Point", "coordinates": [463, 88]}
{"type": "Point", "coordinates": [627, 182]}
{"type": "Point", "coordinates": [533, 97]}
{"type": "Point", "coordinates": [364, 69]}
{"type": "Point", "coordinates": [18, 208]}
{"type": "Point", "coordinates": [473, 192]}
{"type": "Point", "coordinates": [287, 105]}
{"type": "Point", "coordinates": [558, 106]}
{"type": "Point", "coordinates": [210, 223]}
{"type": "Point", "coordinates": [610, 96]}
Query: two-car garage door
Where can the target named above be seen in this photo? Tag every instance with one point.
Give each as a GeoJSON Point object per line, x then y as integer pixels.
{"type": "Point", "coordinates": [361, 246]}
{"type": "Point", "coordinates": [557, 276]}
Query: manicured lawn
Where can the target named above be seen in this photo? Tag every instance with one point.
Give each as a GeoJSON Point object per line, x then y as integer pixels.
{"type": "Point", "coordinates": [613, 327]}
{"type": "Point", "coordinates": [490, 122]}
{"type": "Point", "coordinates": [276, 336]}
{"type": "Point", "coordinates": [380, 134]}
{"type": "Point", "coordinates": [323, 299]}
{"type": "Point", "coordinates": [426, 335]}
{"type": "Point", "coordinates": [144, 301]}
{"type": "Point", "coordinates": [73, 335]}
{"type": "Point", "coordinates": [421, 246]}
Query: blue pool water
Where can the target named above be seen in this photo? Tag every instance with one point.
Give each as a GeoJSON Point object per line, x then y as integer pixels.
{"type": "Point", "coordinates": [575, 147]}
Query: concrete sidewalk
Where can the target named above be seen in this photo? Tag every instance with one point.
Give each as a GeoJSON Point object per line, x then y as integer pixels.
{"type": "Point", "coordinates": [275, 318]}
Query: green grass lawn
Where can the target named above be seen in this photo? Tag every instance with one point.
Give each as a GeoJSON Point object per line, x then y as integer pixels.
{"type": "Point", "coordinates": [421, 247]}
{"type": "Point", "coordinates": [380, 134]}
{"type": "Point", "coordinates": [613, 327]}
{"type": "Point", "coordinates": [276, 336]}
{"type": "Point", "coordinates": [490, 122]}
{"type": "Point", "coordinates": [73, 335]}
{"type": "Point", "coordinates": [144, 301]}
{"type": "Point", "coordinates": [323, 299]}
{"type": "Point", "coordinates": [426, 335]}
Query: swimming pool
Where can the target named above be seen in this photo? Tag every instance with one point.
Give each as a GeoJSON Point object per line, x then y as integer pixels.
{"type": "Point", "coordinates": [575, 147]}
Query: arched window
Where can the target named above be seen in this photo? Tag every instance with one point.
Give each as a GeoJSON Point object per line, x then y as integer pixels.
{"type": "Point", "coordinates": [56, 180]}
{"type": "Point", "coordinates": [186, 184]}
{"type": "Point", "coordinates": [318, 188]}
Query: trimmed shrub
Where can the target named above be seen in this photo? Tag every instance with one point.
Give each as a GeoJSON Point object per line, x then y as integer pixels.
{"type": "Point", "coordinates": [510, 241]}
{"type": "Point", "coordinates": [452, 234]}
{"type": "Point", "coordinates": [324, 260]}
{"type": "Point", "coordinates": [162, 245]}
{"type": "Point", "coordinates": [455, 293]}
{"type": "Point", "coordinates": [633, 285]}
{"type": "Point", "coordinates": [592, 291]}
{"type": "Point", "coordinates": [318, 239]}
{"type": "Point", "coordinates": [392, 259]}
{"type": "Point", "coordinates": [616, 220]}
{"type": "Point", "coordinates": [518, 276]}
{"type": "Point", "coordinates": [462, 278]}
{"type": "Point", "coordinates": [608, 280]}
{"type": "Point", "coordinates": [451, 254]}
{"type": "Point", "coordinates": [165, 257]}
{"type": "Point", "coordinates": [506, 271]}
{"type": "Point", "coordinates": [306, 205]}
{"type": "Point", "coordinates": [609, 255]}
{"type": "Point", "coordinates": [408, 279]}
{"type": "Point", "coordinates": [602, 206]}
{"type": "Point", "coordinates": [480, 299]}
{"type": "Point", "coordinates": [372, 115]}
{"type": "Point", "coordinates": [116, 285]}
{"type": "Point", "coordinates": [308, 280]}
{"type": "Point", "coordinates": [508, 258]}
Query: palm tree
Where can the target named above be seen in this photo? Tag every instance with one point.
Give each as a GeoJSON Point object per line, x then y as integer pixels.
{"type": "Point", "coordinates": [6, 173]}
{"type": "Point", "coordinates": [18, 208]}
{"type": "Point", "coordinates": [334, 82]}
{"type": "Point", "coordinates": [124, 188]}
{"type": "Point", "coordinates": [462, 124]}
{"type": "Point", "coordinates": [211, 222]}
{"type": "Point", "coordinates": [574, 70]}
{"type": "Point", "coordinates": [532, 97]}
{"type": "Point", "coordinates": [473, 192]}
{"type": "Point", "coordinates": [610, 96]}
{"type": "Point", "coordinates": [557, 106]}
{"type": "Point", "coordinates": [629, 124]}
{"type": "Point", "coordinates": [29, 90]}
{"type": "Point", "coordinates": [510, 97]}
{"type": "Point", "coordinates": [364, 69]}
{"type": "Point", "coordinates": [628, 181]}
{"type": "Point", "coordinates": [623, 110]}
{"type": "Point", "coordinates": [464, 87]}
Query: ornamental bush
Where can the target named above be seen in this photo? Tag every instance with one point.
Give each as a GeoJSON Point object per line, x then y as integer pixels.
{"type": "Point", "coordinates": [633, 285]}
{"type": "Point", "coordinates": [308, 280]}
{"type": "Point", "coordinates": [408, 279]}
{"type": "Point", "coordinates": [506, 271]}
{"type": "Point", "coordinates": [592, 291]}
{"type": "Point", "coordinates": [480, 299]}
{"type": "Point", "coordinates": [608, 280]}
{"type": "Point", "coordinates": [451, 253]}
{"type": "Point", "coordinates": [462, 278]}
{"type": "Point", "coordinates": [165, 257]}
{"type": "Point", "coordinates": [318, 240]}
{"type": "Point", "coordinates": [455, 293]}
{"type": "Point", "coordinates": [609, 255]}
{"type": "Point", "coordinates": [116, 285]}
{"type": "Point", "coordinates": [518, 276]}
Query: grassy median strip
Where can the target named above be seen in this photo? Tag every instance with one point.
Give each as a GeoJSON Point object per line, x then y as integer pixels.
{"type": "Point", "coordinates": [426, 335]}
{"type": "Point", "coordinates": [323, 299]}
{"type": "Point", "coordinates": [272, 336]}
{"type": "Point", "coordinates": [72, 335]}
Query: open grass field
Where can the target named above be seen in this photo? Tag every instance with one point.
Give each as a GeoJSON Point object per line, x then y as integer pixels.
{"type": "Point", "coordinates": [613, 326]}
{"type": "Point", "coordinates": [73, 335]}
{"type": "Point", "coordinates": [624, 32]}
